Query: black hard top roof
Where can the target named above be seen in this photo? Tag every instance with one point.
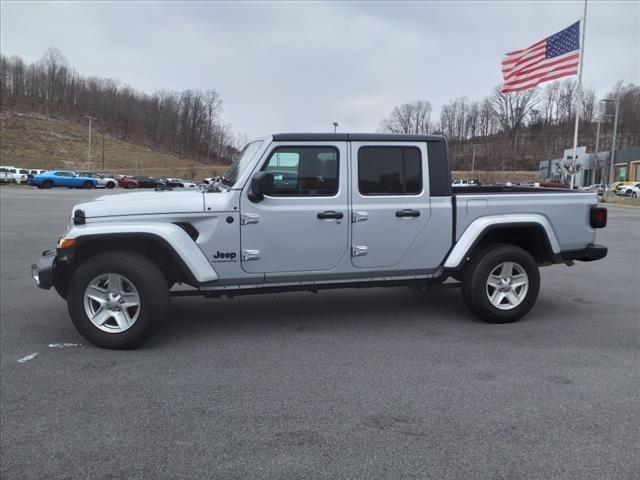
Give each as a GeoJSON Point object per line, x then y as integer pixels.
{"type": "Point", "coordinates": [355, 137]}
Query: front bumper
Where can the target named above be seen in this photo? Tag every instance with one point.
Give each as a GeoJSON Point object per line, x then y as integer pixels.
{"type": "Point", "coordinates": [42, 272]}
{"type": "Point", "coordinates": [589, 254]}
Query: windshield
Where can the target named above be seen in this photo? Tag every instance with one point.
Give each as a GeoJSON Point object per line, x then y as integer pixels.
{"type": "Point", "coordinates": [241, 162]}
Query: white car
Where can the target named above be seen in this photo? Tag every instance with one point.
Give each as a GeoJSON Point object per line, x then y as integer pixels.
{"type": "Point", "coordinates": [6, 176]}
{"type": "Point", "coordinates": [596, 187]}
{"type": "Point", "coordinates": [103, 182]}
{"type": "Point", "coordinates": [180, 183]}
{"type": "Point", "coordinates": [632, 190]}
{"type": "Point", "coordinates": [17, 173]}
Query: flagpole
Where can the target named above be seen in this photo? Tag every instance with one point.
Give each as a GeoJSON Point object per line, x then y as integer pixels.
{"type": "Point", "coordinates": [578, 98]}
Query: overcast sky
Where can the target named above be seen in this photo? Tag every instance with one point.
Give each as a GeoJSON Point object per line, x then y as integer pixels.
{"type": "Point", "coordinates": [300, 66]}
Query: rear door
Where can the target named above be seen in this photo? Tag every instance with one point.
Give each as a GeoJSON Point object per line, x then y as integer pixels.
{"type": "Point", "coordinates": [304, 225]}
{"type": "Point", "coordinates": [390, 201]}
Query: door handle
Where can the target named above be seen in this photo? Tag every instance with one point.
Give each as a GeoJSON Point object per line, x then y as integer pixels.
{"type": "Point", "coordinates": [407, 213]}
{"type": "Point", "coordinates": [330, 214]}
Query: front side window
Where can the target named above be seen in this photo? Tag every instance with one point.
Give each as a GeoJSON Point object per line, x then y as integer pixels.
{"type": "Point", "coordinates": [241, 162]}
{"type": "Point", "coordinates": [389, 171]}
{"type": "Point", "coordinates": [304, 171]}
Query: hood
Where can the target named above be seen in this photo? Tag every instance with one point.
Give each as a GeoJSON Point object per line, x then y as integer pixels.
{"type": "Point", "coordinates": [144, 203]}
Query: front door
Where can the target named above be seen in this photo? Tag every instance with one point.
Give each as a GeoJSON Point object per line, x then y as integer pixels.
{"type": "Point", "coordinates": [390, 201]}
{"type": "Point", "coordinates": [304, 225]}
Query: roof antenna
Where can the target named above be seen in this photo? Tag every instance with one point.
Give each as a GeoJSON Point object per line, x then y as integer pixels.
{"type": "Point", "coordinates": [335, 126]}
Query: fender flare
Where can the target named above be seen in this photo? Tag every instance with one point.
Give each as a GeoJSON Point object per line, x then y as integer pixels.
{"type": "Point", "coordinates": [172, 237]}
{"type": "Point", "coordinates": [476, 230]}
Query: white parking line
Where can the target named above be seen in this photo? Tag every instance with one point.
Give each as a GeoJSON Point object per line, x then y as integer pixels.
{"type": "Point", "coordinates": [27, 358]}
{"type": "Point", "coordinates": [63, 345]}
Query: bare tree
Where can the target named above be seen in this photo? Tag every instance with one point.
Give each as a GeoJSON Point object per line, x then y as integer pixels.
{"type": "Point", "coordinates": [409, 118]}
{"type": "Point", "coordinates": [512, 109]}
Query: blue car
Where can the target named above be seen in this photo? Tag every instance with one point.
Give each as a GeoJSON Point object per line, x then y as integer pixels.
{"type": "Point", "coordinates": [58, 178]}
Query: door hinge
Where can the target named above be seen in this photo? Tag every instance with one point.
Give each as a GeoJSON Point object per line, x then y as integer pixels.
{"type": "Point", "coordinates": [248, 255]}
{"type": "Point", "coordinates": [359, 217]}
{"type": "Point", "coordinates": [359, 250]}
{"type": "Point", "coordinates": [248, 218]}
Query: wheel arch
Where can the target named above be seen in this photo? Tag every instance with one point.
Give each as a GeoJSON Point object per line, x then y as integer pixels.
{"type": "Point", "coordinates": [167, 245]}
{"type": "Point", "coordinates": [533, 234]}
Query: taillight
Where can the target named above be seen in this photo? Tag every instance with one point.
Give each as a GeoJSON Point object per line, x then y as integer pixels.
{"type": "Point", "coordinates": [598, 217]}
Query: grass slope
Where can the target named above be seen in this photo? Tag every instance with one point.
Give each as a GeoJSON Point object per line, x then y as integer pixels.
{"type": "Point", "coordinates": [33, 140]}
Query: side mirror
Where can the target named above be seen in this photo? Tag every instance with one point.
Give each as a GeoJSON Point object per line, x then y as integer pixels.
{"type": "Point", "coordinates": [261, 184]}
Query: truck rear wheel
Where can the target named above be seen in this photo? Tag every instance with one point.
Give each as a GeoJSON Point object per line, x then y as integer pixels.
{"type": "Point", "coordinates": [501, 283]}
{"type": "Point", "coordinates": [118, 299]}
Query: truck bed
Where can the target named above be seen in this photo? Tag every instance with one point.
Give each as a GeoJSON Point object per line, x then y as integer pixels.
{"type": "Point", "coordinates": [567, 211]}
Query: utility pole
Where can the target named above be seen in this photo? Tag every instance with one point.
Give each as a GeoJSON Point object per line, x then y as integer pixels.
{"type": "Point", "coordinates": [335, 127]}
{"type": "Point", "coordinates": [473, 159]}
{"type": "Point", "coordinates": [613, 141]}
{"type": "Point", "coordinates": [89, 151]}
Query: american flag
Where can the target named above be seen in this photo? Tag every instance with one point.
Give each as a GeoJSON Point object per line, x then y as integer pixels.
{"type": "Point", "coordinates": [553, 57]}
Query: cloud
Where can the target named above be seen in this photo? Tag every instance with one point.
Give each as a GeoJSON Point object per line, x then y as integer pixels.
{"type": "Point", "coordinates": [301, 66]}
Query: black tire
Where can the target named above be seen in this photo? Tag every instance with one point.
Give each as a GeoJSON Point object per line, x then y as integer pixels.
{"type": "Point", "coordinates": [475, 291]}
{"type": "Point", "coordinates": [88, 185]}
{"type": "Point", "coordinates": [47, 184]}
{"type": "Point", "coordinates": [152, 289]}
{"type": "Point", "coordinates": [111, 185]}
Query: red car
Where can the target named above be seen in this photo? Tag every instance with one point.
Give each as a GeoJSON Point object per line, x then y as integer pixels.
{"type": "Point", "coordinates": [552, 183]}
{"type": "Point", "coordinates": [127, 182]}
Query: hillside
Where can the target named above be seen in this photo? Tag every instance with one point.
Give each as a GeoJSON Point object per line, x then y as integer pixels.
{"type": "Point", "coordinates": [34, 140]}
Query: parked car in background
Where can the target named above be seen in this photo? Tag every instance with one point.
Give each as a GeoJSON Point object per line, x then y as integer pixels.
{"type": "Point", "coordinates": [596, 187]}
{"type": "Point", "coordinates": [465, 183]}
{"type": "Point", "coordinates": [127, 182]}
{"type": "Point", "coordinates": [552, 183]}
{"type": "Point", "coordinates": [630, 190]}
{"type": "Point", "coordinates": [210, 180]}
{"type": "Point", "coordinates": [149, 182]}
{"type": "Point", "coordinates": [103, 180]}
{"type": "Point", "coordinates": [59, 178]}
{"type": "Point", "coordinates": [179, 183]}
{"type": "Point", "coordinates": [615, 185]}
{"type": "Point", "coordinates": [6, 176]}
{"type": "Point", "coordinates": [18, 174]}
{"type": "Point", "coordinates": [624, 188]}
{"type": "Point", "coordinates": [34, 172]}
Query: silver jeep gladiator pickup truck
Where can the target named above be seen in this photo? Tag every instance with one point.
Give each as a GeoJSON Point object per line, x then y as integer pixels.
{"type": "Point", "coordinates": [312, 211]}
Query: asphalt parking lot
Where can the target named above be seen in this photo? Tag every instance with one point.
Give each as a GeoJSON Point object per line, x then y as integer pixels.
{"type": "Point", "coordinates": [380, 383]}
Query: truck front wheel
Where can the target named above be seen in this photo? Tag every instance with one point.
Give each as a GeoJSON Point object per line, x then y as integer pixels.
{"type": "Point", "coordinates": [118, 299]}
{"type": "Point", "coordinates": [501, 283]}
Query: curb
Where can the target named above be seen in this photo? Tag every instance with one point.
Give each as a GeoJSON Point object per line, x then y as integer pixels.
{"type": "Point", "coordinates": [613, 205]}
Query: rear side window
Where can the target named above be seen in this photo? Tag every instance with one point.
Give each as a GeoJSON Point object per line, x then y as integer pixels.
{"type": "Point", "coordinates": [389, 171]}
{"type": "Point", "coordinates": [304, 171]}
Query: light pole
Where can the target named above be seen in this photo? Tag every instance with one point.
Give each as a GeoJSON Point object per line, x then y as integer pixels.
{"type": "Point", "coordinates": [473, 159]}
{"type": "Point", "coordinates": [597, 149]}
{"type": "Point", "coordinates": [89, 151]}
{"type": "Point", "coordinates": [613, 140]}
{"type": "Point", "coordinates": [335, 127]}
